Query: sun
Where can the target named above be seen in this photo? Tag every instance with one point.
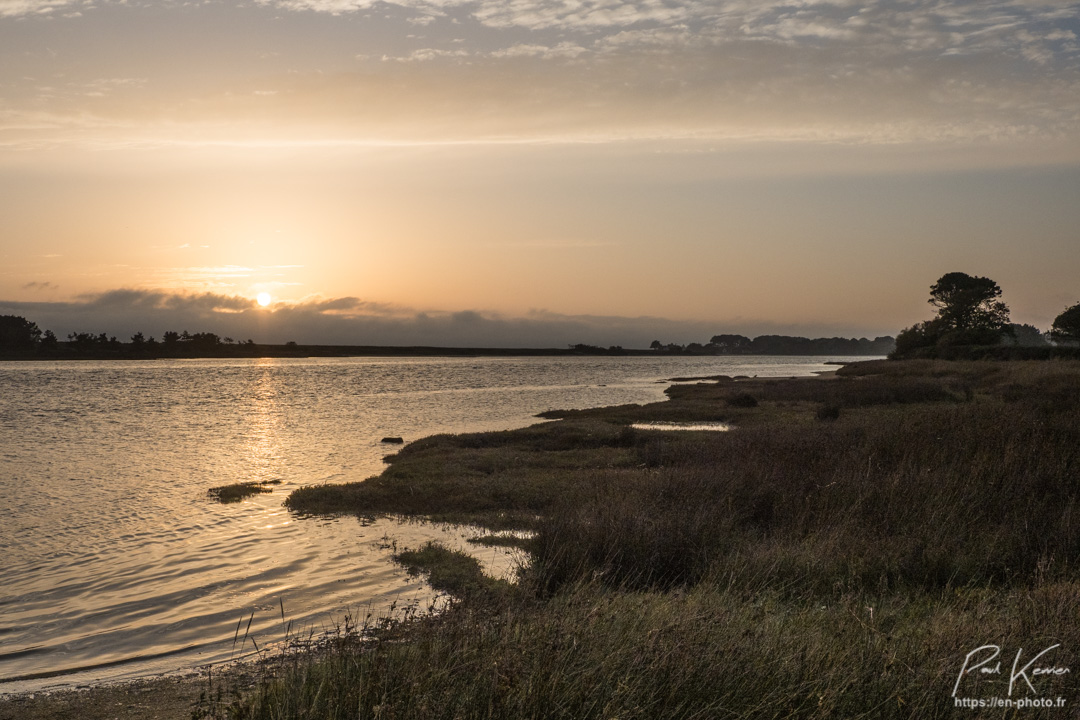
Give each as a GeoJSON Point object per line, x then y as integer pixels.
{"type": "Point", "coordinates": [263, 299]}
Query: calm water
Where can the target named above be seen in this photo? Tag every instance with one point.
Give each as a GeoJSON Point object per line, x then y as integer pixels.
{"type": "Point", "coordinates": [115, 562]}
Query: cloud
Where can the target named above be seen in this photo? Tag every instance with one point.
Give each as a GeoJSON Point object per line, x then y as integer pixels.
{"type": "Point", "coordinates": [354, 321]}
{"type": "Point", "coordinates": [428, 54]}
{"type": "Point", "coordinates": [40, 286]}
{"type": "Point", "coordinates": [874, 71]}
{"type": "Point", "coordinates": [874, 26]}
{"type": "Point", "coordinates": [560, 50]}
{"type": "Point", "coordinates": [15, 8]}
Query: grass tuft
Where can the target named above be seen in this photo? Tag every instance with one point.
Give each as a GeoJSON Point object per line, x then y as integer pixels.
{"type": "Point", "coordinates": [451, 571]}
{"type": "Point", "coordinates": [238, 491]}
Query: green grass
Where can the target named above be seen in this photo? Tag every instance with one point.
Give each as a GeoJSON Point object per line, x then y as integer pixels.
{"type": "Point", "coordinates": [798, 566]}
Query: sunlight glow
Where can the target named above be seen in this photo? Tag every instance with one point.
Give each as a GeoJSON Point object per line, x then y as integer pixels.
{"type": "Point", "coordinates": [263, 299]}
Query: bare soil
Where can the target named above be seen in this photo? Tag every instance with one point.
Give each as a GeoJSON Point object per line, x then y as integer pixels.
{"type": "Point", "coordinates": [162, 698]}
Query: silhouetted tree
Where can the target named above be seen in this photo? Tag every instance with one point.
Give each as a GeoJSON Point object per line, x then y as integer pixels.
{"type": "Point", "coordinates": [49, 343]}
{"type": "Point", "coordinates": [203, 339]}
{"type": "Point", "coordinates": [1066, 327]}
{"type": "Point", "coordinates": [731, 343]}
{"type": "Point", "coordinates": [84, 341]}
{"type": "Point", "coordinates": [18, 335]}
{"type": "Point", "coordinates": [170, 338]}
{"type": "Point", "coordinates": [969, 313]}
{"type": "Point", "coordinates": [969, 309]}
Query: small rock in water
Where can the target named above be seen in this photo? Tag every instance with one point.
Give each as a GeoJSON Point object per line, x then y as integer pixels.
{"type": "Point", "coordinates": [394, 440]}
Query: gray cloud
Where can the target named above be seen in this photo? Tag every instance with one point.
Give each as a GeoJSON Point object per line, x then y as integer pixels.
{"type": "Point", "coordinates": [874, 26]}
{"type": "Point", "coordinates": [40, 286]}
{"type": "Point", "coordinates": [353, 321]}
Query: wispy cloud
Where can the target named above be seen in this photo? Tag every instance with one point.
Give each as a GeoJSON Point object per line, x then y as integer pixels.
{"type": "Point", "coordinates": [15, 8]}
{"type": "Point", "coordinates": [499, 71]}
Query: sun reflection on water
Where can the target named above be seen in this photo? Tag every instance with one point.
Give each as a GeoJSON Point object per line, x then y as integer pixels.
{"type": "Point", "coordinates": [263, 447]}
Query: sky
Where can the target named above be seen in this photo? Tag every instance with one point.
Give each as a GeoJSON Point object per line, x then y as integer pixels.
{"type": "Point", "coordinates": [533, 172]}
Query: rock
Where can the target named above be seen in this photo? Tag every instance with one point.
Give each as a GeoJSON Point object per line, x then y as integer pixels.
{"type": "Point", "coordinates": [394, 440]}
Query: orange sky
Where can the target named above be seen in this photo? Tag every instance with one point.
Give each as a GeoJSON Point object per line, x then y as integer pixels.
{"type": "Point", "coordinates": [808, 167]}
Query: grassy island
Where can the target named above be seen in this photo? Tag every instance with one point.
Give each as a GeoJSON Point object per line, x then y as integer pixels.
{"type": "Point", "coordinates": [841, 552]}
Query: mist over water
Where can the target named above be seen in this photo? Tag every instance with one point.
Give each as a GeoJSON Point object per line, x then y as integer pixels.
{"type": "Point", "coordinates": [117, 564]}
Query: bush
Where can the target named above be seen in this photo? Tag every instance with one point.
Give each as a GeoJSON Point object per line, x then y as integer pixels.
{"type": "Point", "coordinates": [742, 400]}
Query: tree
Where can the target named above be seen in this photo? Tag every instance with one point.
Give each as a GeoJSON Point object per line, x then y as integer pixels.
{"type": "Point", "coordinates": [18, 335]}
{"type": "Point", "coordinates": [968, 307]}
{"type": "Point", "coordinates": [1066, 327]}
{"type": "Point", "coordinates": [911, 339]}
{"type": "Point", "coordinates": [203, 339]}
{"type": "Point", "coordinates": [969, 313]}
{"type": "Point", "coordinates": [731, 343]}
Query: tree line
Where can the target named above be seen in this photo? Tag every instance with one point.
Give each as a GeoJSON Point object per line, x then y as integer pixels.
{"type": "Point", "coordinates": [779, 345]}
{"type": "Point", "coordinates": [20, 337]}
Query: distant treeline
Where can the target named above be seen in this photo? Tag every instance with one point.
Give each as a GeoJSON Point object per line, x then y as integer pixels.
{"type": "Point", "coordinates": [780, 345]}
{"type": "Point", "coordinates": [20, 338]}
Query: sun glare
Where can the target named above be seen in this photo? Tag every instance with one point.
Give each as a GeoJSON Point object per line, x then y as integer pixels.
{"type": "Point", "coordinates": [263, 299]}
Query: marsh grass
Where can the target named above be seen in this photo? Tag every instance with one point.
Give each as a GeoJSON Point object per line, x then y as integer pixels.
{"type": "Point", "coordinates": [450, 571]}
{"type": "Point", "coordinates": [790, 568]}
{"type": "Point", "coordinates": [594, 652]}
{"type": "Point", "coordinates": [238, 491]}
{"type": "Point", "coordinates": [508, 541]}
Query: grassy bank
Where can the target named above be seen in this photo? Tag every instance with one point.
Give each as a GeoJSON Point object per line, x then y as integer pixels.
{"type": "Point", "coordinates": [838, 553]}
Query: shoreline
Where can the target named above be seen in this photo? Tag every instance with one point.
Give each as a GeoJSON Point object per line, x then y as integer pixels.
{"type": "Point", "coordinates": [156, 698]}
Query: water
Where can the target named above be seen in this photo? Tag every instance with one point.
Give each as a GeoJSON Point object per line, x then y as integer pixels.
{"type": "Point", "coordinates": [116, 564]}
